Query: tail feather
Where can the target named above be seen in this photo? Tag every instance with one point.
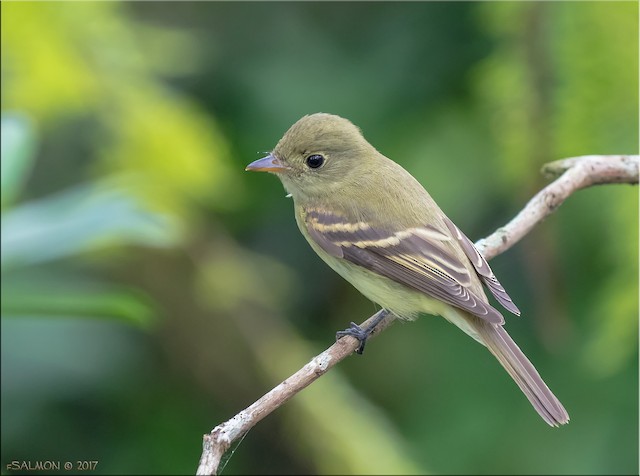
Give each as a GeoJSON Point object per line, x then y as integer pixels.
{"type": "Point", "coordinates": [523, 373]}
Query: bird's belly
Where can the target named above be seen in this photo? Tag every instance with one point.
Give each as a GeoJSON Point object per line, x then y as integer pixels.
{"type": "Point", "coordinates": [404, 302]}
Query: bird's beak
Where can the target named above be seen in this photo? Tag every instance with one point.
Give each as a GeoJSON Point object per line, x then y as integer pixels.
{"type": "Point", "coordinates": [270, 163]}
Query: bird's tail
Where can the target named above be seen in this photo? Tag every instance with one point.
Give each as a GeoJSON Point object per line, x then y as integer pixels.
{"type": "Point", "coordinates": [523, 372]}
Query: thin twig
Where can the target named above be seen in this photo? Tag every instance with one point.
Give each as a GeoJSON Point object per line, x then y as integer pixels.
{"type": "Point", "coordinates": [573, 174]}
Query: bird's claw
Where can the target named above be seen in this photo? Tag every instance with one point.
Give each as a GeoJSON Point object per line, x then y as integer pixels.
{"type": "Point", "coordinates": [354, 330]}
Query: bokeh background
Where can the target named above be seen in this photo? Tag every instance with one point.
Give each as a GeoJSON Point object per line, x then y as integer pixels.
{"type": "Point", "coordinates": [151, 288]}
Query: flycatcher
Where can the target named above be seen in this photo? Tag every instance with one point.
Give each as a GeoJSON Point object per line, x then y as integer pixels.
{"type": "Point", "coordinates": [377, 227]}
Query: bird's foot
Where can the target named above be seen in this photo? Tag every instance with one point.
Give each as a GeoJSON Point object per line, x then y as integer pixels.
{"type": "Point", "coordinates": [354, 330]}
{"type": "Point", "coordinates": [362, 334]}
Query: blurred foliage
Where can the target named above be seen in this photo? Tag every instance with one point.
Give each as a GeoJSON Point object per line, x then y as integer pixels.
{"type": "Point", "coordinates": [106, 70]}
{"type": "Point", "coordinates": [17, 153]}
{"type": "Point", "coordinates": [150, 290]}
{"type": "Point", "coordinates": [68, 224]}
{"type": "Point", "coordinates": [563, 75]}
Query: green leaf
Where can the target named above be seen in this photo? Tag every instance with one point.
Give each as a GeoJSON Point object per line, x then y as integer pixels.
{"type": "Point", "coordinates": [80, 219]}
{"type": "Point", "coordinates": [36, 292]}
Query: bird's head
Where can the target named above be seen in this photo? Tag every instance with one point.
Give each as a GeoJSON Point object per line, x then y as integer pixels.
{"type": "Point", "coordinates": [318, 155]}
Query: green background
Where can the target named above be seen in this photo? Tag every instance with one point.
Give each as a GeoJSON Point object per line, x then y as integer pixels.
{"type": "Point", "coordinates": [151, 288]}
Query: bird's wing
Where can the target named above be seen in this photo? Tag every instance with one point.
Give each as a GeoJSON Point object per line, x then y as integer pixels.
{"type": "Point", "coordinates": [482, 268]}
{"type": "Point", "coordinates": [415, 257]}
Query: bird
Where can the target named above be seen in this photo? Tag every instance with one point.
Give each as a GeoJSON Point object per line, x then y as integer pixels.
{"type": "Point", "coordinates": [374, 224]}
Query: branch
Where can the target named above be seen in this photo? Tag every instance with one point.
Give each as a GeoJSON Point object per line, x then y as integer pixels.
{"type": "Point", "coordinates": [572, 175]}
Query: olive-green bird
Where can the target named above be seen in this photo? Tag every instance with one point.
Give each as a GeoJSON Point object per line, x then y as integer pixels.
{"type": "Point", "coordinates": [377, 227]}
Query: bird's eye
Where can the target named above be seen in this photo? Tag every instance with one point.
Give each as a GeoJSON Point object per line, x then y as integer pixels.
{"type": "Point", "coordinates": [314, 161]}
